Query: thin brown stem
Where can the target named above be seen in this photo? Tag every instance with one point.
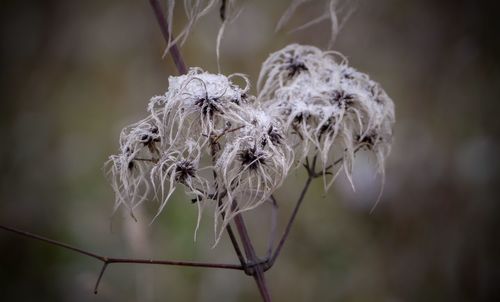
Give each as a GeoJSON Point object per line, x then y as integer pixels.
{"type": "Point", "coordinates": [174, 50]}
{"type": "Point", "coordinates": [230, 232]}
{"type": "Point", "coordinates": [51, 241]}
{"type": "Point", "coordinates": [252, 266]}
{"type": "Point", "coordinates": [274, 220]}
{"type": "Point", "coordinates": [235, 244]}
{"type": "Point", "coordinates": [101, 273]}
{"type": "Point", "coordinates": [261, 283]}
{"type": "Point", "coordinates": [290, 222]}
{"type": "Point", "coordinates": [312, 174]}
{"type": "Point", "coordinates": [109, 260]}
{"type": "Point", "coordinates": [227, 131]}
{"type": "Point", "coordinates": [338, 161]}
{"type": "Point", "coordinates": [258, 271]}
{"type": "Point", "coordinates": [181, 68]}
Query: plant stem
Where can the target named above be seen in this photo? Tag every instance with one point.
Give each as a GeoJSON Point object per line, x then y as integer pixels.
{"type": "Point", "coordinates": [234, 241]}
{"type": "Point", "coordinates": [274, 221]}
{"type": "Point", "coordinates": [290, 222]}
{"type": "Point", "coordinates": [312, 174]}
{"type": "Point", "coordinates": [258, 271]}
{"type": "Point", "coordinates": [235, 244]}
{"type": "Point", "coordinates": [109, 260]}
{"type": "Point", "coordinates": [181, 68]}
{"type": "Point", "coordinates": [174, 50]}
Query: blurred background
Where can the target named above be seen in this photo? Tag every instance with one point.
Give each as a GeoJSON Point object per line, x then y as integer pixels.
{"type": "Point", "coordinates": [73, 73]}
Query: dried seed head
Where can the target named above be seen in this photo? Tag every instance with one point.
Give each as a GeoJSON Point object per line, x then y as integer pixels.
{"type": "Point", "coordinates": [209, 135]}
{"type": "Point", "coordinates": [330, 107]}
{"type": "Point", "coordinates": [251, 158]}
{"type": "Point", "coordinates": [184, 169]}
{"type": "Point", "coordinates": [252, 164]}
{"type": "Point", "coordinates": [202, 114]}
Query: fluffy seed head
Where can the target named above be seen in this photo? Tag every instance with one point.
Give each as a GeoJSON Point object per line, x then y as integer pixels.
{"type": "Point", "coordinates": [207, 134]}
{"type": "Point", "coordinates": [325, 105]}
{"type": "Point", "coordinates": [231, 150]}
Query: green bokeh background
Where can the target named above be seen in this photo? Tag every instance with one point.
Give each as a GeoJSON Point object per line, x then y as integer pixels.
{"type": "Point", "coordinates": [73, 73]}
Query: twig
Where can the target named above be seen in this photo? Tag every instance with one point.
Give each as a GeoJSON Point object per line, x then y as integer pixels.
{"type": "Point", "coordinates": [235, 244]}
{"type": "Point", "coordinates": [290, 222]}
{"type": "Point", "coordinates": [274, 220]}
{"type": "Point", "coordinates": [181, 67]}
{"type": "Point", "coordinates": [109, 260]}
{"type": "Point", "coordinates": [227, 131]}
{"type": "Point", "coordinates": [258, 271]}
{"type": "Point", "coordinates": [338, 161]}
{"type": "Point", "coordinates": [230, 232]}
{"type": "Point", "coordinates": [222, 10]}
{"type": "Point", "coordinates": [101, 273]}
{"type": "Point", "coordinates": [174, 50]}
{"type": "Point", "coordinates": [252, 266]}
{"type": "Point", "coordinates": [312, 174]}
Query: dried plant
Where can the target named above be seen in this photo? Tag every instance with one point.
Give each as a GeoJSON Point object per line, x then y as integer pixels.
{"type": "Point", "coordinates": [231, 151]}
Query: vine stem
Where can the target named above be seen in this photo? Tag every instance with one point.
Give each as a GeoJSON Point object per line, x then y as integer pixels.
{"type": "Point", "coordinates": [174, 50]}
{"type": "Point", "coordinates": [274, 221]}
{"type": "Point", "coordinates": [290, 221]}
{"type": "Point", "coordinates": [311, 174]}
{"type": "Point", "coordinates": [110, 260]}
{"type": "Point", "coordinates": [252, 266]}
{"type": "Point", "coordinates": [257, 269]}
{"type": "Point", "coordinates": [181, 68]}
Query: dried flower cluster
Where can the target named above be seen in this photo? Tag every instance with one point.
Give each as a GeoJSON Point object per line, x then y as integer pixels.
{"type": "Point", "coordinates": [326, 106]}
{"type": "Point", "coordinates": [209, 135]}
{"type": "Point", "coordinates": [232, 150]}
